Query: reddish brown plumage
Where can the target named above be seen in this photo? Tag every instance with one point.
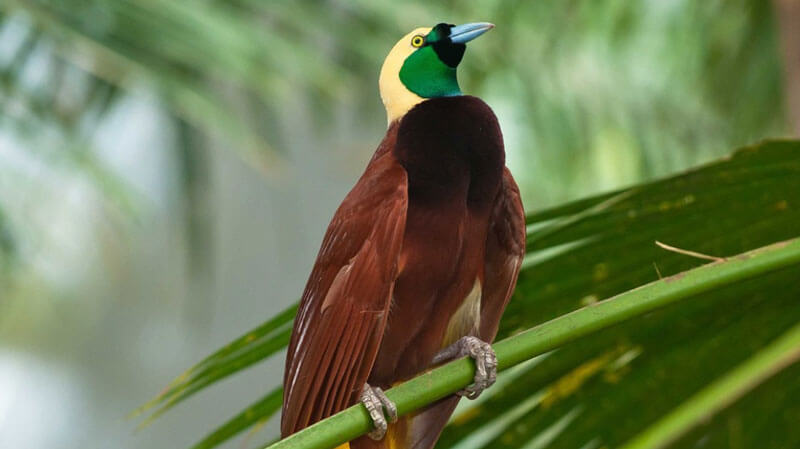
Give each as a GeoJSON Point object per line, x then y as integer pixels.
{"type": "Point", "coordinates": [434, 211]}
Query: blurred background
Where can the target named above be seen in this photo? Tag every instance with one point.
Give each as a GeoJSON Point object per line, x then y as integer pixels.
{"type": "Point", "coordinates": [167, 168]}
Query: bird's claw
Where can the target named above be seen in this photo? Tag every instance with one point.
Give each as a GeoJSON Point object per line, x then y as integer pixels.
{"type": "Point", "coordinates": [485, 363]}
{"type": "Point", "coordinates": [375, 400]}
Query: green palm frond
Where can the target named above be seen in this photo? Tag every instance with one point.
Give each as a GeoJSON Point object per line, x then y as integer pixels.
{"type": "Point", "coordinates": [596, 248]}
{"type": "Point", "coordinates": [445, 380]}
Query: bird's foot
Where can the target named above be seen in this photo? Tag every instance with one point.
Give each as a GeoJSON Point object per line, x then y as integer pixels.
{"type": "Point", "coordinates": [485, 363]}
{"type": "Point", "coordinates": [375, 400]}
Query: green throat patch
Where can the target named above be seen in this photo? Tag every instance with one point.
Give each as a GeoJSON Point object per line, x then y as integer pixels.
{"type": "Point", "coordinates": [427, 76]}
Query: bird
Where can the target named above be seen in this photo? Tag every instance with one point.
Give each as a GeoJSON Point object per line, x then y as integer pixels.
{"type": "Point", "coordinates": [419, 260]}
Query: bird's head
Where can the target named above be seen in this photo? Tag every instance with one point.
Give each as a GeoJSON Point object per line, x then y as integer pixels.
{"type": "Point", "coordinates": [422, 65]}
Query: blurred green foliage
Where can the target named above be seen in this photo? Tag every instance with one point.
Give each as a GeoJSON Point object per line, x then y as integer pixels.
{"type": "Point", "coordinates": [592, 95]}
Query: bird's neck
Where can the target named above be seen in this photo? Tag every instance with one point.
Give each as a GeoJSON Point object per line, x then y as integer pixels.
{"type": "Point", "coordinates": [398, 99]}
{"type": "Point", "coordinates": [427, 76]}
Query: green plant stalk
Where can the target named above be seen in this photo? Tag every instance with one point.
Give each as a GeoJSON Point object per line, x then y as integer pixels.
{"type": "Point", "coordinates": [769, 361]}
{"type": "Point", "coordinates": [447, 379]}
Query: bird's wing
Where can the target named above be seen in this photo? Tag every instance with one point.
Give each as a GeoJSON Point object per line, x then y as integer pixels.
{"type": "Point", "coordinates": [505, 249]}
{"type": "Point", "coordinates": [344, 307]}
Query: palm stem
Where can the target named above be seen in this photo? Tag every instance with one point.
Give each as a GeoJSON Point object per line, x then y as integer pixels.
{"type": "Point", "coordinates": [445, 380]}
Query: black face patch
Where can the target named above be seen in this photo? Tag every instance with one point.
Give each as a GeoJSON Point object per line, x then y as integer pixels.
{"type": "Point", "coordinates": [448, 52]}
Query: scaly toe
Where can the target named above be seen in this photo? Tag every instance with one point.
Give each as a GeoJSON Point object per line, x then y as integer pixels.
{"type": "Point", "coordinates": [374, 406]}
{"type": "Point", "coordinates": [388, 405]}
{"type": "Point", "coordinates": [485, 366]}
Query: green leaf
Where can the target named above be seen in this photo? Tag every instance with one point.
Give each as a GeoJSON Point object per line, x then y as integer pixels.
{"type": "Point", "coordinates": [603, 246]}
{"type": "Point", "coordinates": [259, 411]}
{"type": "Point", "coordinates": [237, 355]}
{"type": "Point", "coordinates": [766, 418]}
{"type": "Point", "coordinates": [177, 67]}
{"type": "Point", "coordinates": [442, 381]}
{"type": "Point", "coordinates": [784, 352]}
{"type": "Point", "coordinates": [721, 209]}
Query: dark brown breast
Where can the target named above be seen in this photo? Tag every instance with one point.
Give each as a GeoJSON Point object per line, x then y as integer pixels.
{"type": "Point", "coordinates": [452, 150]}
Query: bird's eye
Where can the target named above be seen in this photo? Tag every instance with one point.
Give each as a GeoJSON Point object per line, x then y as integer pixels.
{"type": "Point", "coordinates": [417, 41]}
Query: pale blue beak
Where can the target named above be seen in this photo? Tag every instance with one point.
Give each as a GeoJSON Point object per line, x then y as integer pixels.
{"type": "Point", "coordinates": [464, 33]}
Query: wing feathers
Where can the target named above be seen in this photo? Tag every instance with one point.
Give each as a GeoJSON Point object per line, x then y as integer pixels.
{"type": "Point", "coordinates": [505, 249]}
{"type": "Point", "coordinates": [345, 304]}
